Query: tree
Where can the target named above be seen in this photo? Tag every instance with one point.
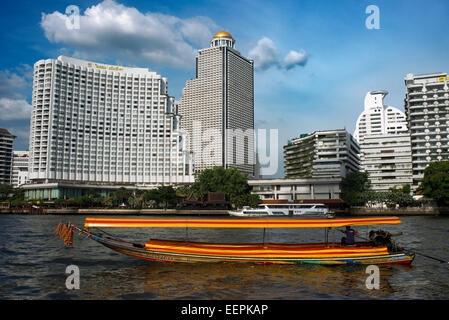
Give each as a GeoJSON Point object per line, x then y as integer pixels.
{"type": "Point", "coordinates": [167, 195]}
{"type": "Point", "coordinates": [184, 191]}
{"type": "Point", "coordinates": [251, 200]}
{"type": "Point", "coordinates": [400, 196]}
{"type": "Point", "coordinates": [435, 183]}
{"type": "Point", "coordinates": [5, 191]}
{"type": "Point", "coordinates": [218, 179]}
{"type": "Point", "coordinates": [354, 187]}
{"type": "Point", "coordinates": [120, 196]}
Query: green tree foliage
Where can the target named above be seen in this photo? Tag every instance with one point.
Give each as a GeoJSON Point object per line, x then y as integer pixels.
{"type": "Point", "coordinates": [400, 196]}
{"type": "Point", "coordinates": [354, 188]}
{"type": "Point", "coordinates": [5, 191]}
{"type": "Point", "coordinates": [167, 195]}
{"type": "Point", "coordinates": [163, 195]}
{"type": "Point", "coordinates": [248, 199]}
{"type": "Point", "coordinates": [184, 191]}
{"type": "Point", "coordinates": [435, 183]}
{"type": "Point", "coordinates": [218, 179]}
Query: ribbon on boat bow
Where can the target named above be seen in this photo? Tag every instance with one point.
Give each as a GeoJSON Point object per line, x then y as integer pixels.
{"type": "Point", "coordinates": [65, 232]}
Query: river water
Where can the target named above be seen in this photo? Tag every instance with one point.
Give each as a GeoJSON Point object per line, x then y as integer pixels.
{"type": "Point", "coordinates": [33, 263]}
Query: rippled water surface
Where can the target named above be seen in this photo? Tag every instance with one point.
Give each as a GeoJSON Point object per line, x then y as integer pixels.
{"type": "Point", "coordinates": [33, 263]}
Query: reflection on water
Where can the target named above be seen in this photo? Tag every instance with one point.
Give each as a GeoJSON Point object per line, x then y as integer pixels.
{"type": "Point", "coordinates": [33, 262]}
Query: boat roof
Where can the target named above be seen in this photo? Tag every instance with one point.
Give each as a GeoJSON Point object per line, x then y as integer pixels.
{"type": "Point", "coordinates": [237, 222]}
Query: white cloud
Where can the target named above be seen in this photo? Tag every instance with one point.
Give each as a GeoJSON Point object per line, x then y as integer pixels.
{"type": "Point", "coordinates": [14, 109]}
{"type": "Point", "coordinates": [294, 58]}
{"type": "Point", "coordinates": [12, 85]}
{"type": "Point", "coordinates": [264, 54]}
{"type": "Point", "coordinates": [112, 29]}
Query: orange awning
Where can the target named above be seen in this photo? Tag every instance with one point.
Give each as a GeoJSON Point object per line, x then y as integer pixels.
{"type": "Point", "coordinates": [237, 223]}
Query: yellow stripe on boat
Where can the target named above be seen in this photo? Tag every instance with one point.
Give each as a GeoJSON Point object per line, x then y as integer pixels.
{"type": "Point", "coordinates": [237, 223]}
{"type": "Point", "coordinates": [312, 252]}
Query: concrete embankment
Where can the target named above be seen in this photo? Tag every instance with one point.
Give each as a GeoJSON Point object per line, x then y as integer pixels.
{"type": "Point", "coordinates": [409, 211]}
{"type": "Point", "coordinates": [136, 212]}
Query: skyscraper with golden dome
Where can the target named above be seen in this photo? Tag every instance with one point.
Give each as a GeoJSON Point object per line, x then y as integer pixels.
{"type": "Point", "coordinates": [217, 108]}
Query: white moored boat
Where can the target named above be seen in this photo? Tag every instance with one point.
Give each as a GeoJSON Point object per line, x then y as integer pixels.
{"type": "Point", "coordinates": [265, 211]}
{"type": "Point", "coordinates": [280, 209]}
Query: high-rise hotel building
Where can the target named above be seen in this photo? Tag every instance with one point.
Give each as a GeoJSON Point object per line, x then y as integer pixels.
{"type": "Point", "coordinates": [384, 140]}
{"type": "Point", "coordinates": [104, 125]}
{"type": "Point", "coordinates": [217, 108]}
{"type": "Point", "coordinates": [427, 110]}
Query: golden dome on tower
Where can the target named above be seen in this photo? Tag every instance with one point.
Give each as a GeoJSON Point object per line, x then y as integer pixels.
{"type": "Point", "coordinates": [222, 33]}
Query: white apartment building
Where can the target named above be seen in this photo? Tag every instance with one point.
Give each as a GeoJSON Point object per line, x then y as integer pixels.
{"type": "Point", "coordinates": [427, 110]}
{"type": "Point", "coordinates": [19, 168]}
{"type": "Point", "coordinates": [101, 124]}
{"type": "Point", "coordinates": [6, 149]}
{"type": "Point", "coordinates": [217, 108]}
{"type": "Point", "coordinates": [384, 140]}
{"type": "Point", "coordinates": [297, 189]}
{"type": "Point", "coordinates": [387, 159]}
{"type": "Point", "coordinates": [321, 154]}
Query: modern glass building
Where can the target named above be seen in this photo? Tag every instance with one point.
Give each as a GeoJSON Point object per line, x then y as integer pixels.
{"type": "Point", "coordinates": [101, 125]}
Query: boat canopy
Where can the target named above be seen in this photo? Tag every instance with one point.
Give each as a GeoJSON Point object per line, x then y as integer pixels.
{"type": "Point", "coordinates": [237, 223]}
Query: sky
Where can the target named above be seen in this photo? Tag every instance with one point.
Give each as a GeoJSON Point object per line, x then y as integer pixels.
{"type": "Point", "coordinates": [314, 60]}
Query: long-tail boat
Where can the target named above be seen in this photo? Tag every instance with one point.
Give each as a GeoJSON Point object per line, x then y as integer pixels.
{"type": "Point", "coordinates": [330, 253]}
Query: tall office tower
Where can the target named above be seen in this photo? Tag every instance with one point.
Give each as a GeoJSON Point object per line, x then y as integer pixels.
{"type": "Point", "coordinates": [384, 139]}
{"type": "Point", "coordinates": [20, 168]}
{"type": "Point", "coordinates": [321, 154]}
{"type": "Point", "coordinates": [427, 110]}
{"type": "Point", "coordinates": [6, 146]}
{"type": "Point", "coordinates": [217, 108]}
{"type": "Point", "coordinates": [102, 124]}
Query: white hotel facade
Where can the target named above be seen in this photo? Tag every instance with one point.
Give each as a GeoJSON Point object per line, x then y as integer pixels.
{"type": "Point", "coordinates": [384, 139]}
{"type": "Point", "coordinates": [101, 126]}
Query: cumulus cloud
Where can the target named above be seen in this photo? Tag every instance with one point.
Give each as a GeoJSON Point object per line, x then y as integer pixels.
{"type": "Point", "coordinates": [294, 58]}
{"type": "Point", "coordinates": [112, 29]}
{"type": "Point", "coordinates": [14, 109]}
{"type": "Point", "coordinates": [12, 85]}
{"type": "Point", "coordinates": [265, 55]}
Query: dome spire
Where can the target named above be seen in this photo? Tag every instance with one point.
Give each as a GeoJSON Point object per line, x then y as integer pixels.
{"type": "Point", "coordinates": [222, 39]}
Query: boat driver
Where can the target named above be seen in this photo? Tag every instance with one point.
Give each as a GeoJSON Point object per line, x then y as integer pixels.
{"type": "Point", "coordinates": [350, 235]}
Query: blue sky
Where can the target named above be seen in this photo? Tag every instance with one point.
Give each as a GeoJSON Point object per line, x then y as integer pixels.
{"type": "Point", "coordinates": [336, 59]}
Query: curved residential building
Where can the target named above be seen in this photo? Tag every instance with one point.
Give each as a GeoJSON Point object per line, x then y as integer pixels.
{"type": "Point", "coordinates": [384, 140]}
{"type": "Point", "coordinates": [98, 124]}
{"type": "Point", "coordinates": [378, 118]}
{"type": "Point", "coordinates": [217, 108]}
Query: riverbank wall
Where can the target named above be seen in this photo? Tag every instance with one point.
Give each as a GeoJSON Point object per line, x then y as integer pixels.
{"type": "Point", "coordinates": [98, 211]}
{"type": "Point", "coordinates": [353, 211]}
{"type": "Point", "coordinates": [409, 211]}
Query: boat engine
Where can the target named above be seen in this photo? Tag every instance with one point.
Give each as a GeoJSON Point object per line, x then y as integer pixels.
{"type": "Point", "coordinates": [380, 238]}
